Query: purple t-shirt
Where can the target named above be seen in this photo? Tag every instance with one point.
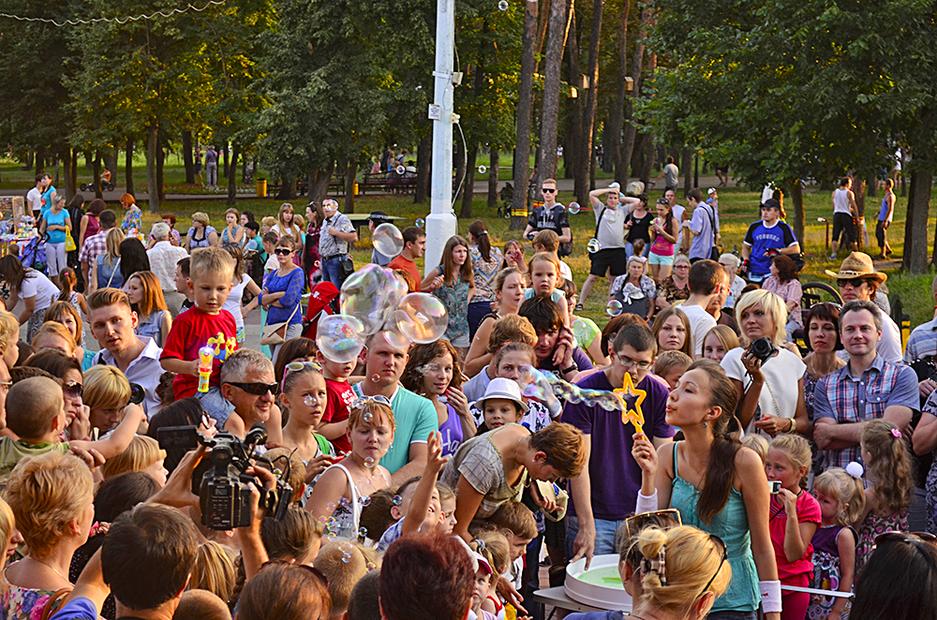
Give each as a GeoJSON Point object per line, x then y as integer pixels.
{"type": "Point", "coordinates": [615, 476]}
{"type": "Point", "coordinates": [451, 431]}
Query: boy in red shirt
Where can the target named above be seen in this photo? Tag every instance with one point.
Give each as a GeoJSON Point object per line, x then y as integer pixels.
{"type": "Point", "coordinates": [211, 271]}
{"type": "Point", "coordinates": [334, 424]}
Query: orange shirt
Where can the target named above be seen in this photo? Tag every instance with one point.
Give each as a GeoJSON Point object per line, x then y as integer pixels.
{"type": "Point", "coordinates": [399, 263]}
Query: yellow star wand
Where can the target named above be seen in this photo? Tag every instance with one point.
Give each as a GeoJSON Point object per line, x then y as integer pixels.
{"type": "Point", "coordinates": [633, 416]}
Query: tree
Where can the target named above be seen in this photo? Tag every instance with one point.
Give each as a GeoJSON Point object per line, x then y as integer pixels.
{"type": "Point", "coordinates": [560, 14]}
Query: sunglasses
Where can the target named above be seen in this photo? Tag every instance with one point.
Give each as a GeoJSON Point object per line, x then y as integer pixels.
{"type": "Point", "coordinates": [73, 388]}
{"type": "Point", "coordinates": [256, 389]}
{"type": "Point", "coordinates": [906, 537]}
{"type": "Point", "coordinates": [669, 517]}
{"type": "Point", "coordinates": [548, 190]}
{"type": "Point", "coordinates": [725, 556]}
{"type": "Point", "coordinates": [364, 400]}
{"type": "Point", "coordinates": [298, 366]}
{"type": "Point", "coordinates": [311, 569]}
{"type": "Point", "coordinates": [853, 282]}
{"type": "Point", "coordinates": [283, 251]}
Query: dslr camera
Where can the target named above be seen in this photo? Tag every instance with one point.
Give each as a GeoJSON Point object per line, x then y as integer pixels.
{"type": "Point", "coordinates": [225, 490]}
{"type": "Point", "coordinates": [763, 349]}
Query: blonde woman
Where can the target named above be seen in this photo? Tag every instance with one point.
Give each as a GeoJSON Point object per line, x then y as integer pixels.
{"type": "Point", "coordinates": [285, 223]}
{"type": "Point", "coordinates": [107, 393]}
{"type": "Point", "coordinates": [143, 455]}
{"type": "Point", "coordinates": [214, 571]}
{"type": "Point", "coordinates": [106, 268]}
{"type": "Point", "coordinates": [201, 234]}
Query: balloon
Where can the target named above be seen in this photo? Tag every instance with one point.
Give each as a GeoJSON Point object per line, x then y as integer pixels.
{"type": "Point", "coordinates": [503, 5]}
{"type": "Point", "coordinates": [387, 240]}
{"type": "Point", "coordinates": [482, 169]}
{"type": "Point", "coordinates": [401, 170]}
{"type": "Point", "coordinates": [364, 296]}
{"type": "Point", "coordinates": [419, 222]}
{"type": "Point", "coordinates": [593, 245]}
{"type": "Point", "coordinates": [421, 317]}
{"type": "Point", "coordinates": [614, 308]}
{"type": "Point", "coordinates": [340, 338]}
{"type": "Point", "coordinates": [573, 208]}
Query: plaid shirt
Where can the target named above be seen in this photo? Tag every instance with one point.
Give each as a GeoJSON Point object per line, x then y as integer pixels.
{"type": "Point", "coordinates": [94, 246]}
{"type": "Point", "coordinates": [922, 343]}
{"type": "Point", "coordinates": [848, 400]}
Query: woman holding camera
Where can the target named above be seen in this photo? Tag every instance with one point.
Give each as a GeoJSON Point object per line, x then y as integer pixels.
{"type": "Point", "coordinates": [763, 368]}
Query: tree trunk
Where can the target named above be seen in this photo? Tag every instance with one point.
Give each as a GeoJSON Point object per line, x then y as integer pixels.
{"type": "Point", "coordinates": [223, 168]}
{"type": "Point", "coordinates": [152, 176]}
{"type": "Point", "coordinates": [521, 171]}
{"type": "Point", "coordinates": [631, 132]}
{"type": "Point", "coordinates": [796, 192]}
{"type": "Point", "coordinates": [586, 153]}
{"type": "Point", "coordinates": [128, 167]}
{"type": "Point", "coordinates": [110, 160]}
{"type": "Point", "coordinates": [915, 228]}
{"type": "Point", "coordinates": [160, 166]}
{"type": "Point", "coordinates": [493, 160]}
{"type": "Point", "coordinates": [351, 168]}
{"type": "Point", "coordinates": [318, 182]}
{"type": "Point", "coordinates": [696, 170]}
{"type": "Point", "coordinates": [686, 162]}
{"type": "Point", "coordinates": [96, 175]}
{"type": "Point", "coordinates": [424, 158]}
{"type": "Point", "coordinates": [69, 159]}
{"type": "Point", "coordinates": [232, 176]}
{"type": "Point", "coordinates": [288, 188]}
{"type": "Point", "coordinates": [573, 141]}
{"type": "Point", "coordinates": [468, 187]}
{"type": "Point", "coordinates": [187, 158]}
{"type": "Point", "coordinates": [560, 16]}
{"type": "Point", "coordinates": [616, 117]}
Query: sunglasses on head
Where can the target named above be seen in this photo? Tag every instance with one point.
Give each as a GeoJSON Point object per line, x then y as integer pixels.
{"type": "Point", "coordinates": [853, 282]}
{"type": "Point", "coordinates": [73, 388]}
{"type": "Point", "coordinates": [913, 538]}
{"type": "Point", "coordinates": [256, 389]}
{"type": "Point", "coordinates": [297, 366]}
{"type": "Point", "coordinates": [283, 251]}
{"type": "Point", "coordinates": [725, 556]}
{"type": "Point", "coordinates": [548, 190]}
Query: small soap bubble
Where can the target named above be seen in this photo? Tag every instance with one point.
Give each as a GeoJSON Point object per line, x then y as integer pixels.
{"type": "Point", "coordinates": [593, 245]}
{"type": "Point", "coordinates": [397, 500]}
{"type": "Point", "coordinates": [367, 417]}
{"type": "Point", "coordinates": [365, 500]}
{"type": "Point", "coordinates": [613, 308]}
{"type": "Point", "coordinates": [375, 378]}
{"type": "Point", "coordinates": [419, 222]}
{"type": "Point", "coordinates": [369, 461]}
{"type": "Point", "coordinates": [401, 170]}
{"type": "Point", "coordinates": [573, 208]}
{"type": "Point", "coordinates": [346, 557]}
{"type": "Point", "coordinates": [310, 401]}
{"type": "Point", "coordinates": [362, 532]}
{"type": "Point", "coordinates": [503, 5]}
{"type": "Point", "coordinates": [482, 169]}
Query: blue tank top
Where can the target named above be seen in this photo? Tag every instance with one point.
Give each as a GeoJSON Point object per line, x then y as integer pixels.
{"type": "Point", "coordinates": [109, 272]}
{"type": "Point", "coordinates": [731, 525]}
{"type": "Point", "coordinates": [150, 326]}
{"type": "Point", "coordinates": [883, 210]}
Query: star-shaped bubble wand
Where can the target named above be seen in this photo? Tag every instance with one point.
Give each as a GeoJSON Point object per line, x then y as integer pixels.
{"type": "Point", "coordinates": [633, 415]}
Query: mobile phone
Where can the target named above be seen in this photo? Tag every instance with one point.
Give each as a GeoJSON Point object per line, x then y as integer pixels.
{"type": "Point", "coordinates": [775, 486]}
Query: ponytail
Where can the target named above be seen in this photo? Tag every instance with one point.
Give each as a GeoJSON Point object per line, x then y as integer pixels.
{"type": "Point", "coordinates": [482, 239]}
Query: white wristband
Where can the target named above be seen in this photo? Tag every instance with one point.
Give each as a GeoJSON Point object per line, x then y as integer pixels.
{"type": "Point", "coordinates": [646, 503]}
{"type": "Point", "coordinates": [770, 596]}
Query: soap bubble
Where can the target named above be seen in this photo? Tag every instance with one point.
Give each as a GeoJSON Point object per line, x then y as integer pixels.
{"type": "Point", "coordinates": [362, 532]}
{"type": "Point", "coordinates": [573, 208]}
{"type": "Point", "coordinates": [396, 340]}
{"type": "Point", "coordinates": [581, 333]}
{"type": "Point", "coordinates": [364, 296]}
{"type": "Point", "coordinates": [503, 5]}
{"type": "Point", "coordinates": [340, 338]}
{"type": "Point", "coordinates": [536, 385]}
{"type": "Point", "coordinates": [422, 318]}
{"type": "Point", "coordinates": [369, 461]}
{"type": "Point", "coordinates": [310, 401]}
{"type": "Point", "coordinates": [401, 170]}
{"type": "Point", "coordinates": [593, 245]}
{"type": "Point", "coordinates": [346, 557]}
{"type": "Point", "coordinates": [397, 500]}
{"type": "Point", "coordinates": [419, 222]}
{"type": "Point", "coordinates": [614, 308]}
{"type": "Point", "coordinates": [482, 169]}
{"type": "Point", "coordinates": [387, 239]}
{"type": "Point", "coordinates": [367, 417]}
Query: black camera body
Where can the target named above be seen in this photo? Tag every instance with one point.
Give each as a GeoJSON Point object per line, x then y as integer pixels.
{"type": "Point", "coordinates": [225, 489]}
{"type": "Point", "coordinates": [763, 349]}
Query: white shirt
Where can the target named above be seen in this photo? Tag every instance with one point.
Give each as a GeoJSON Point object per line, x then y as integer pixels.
{"type": "Point", "coordinates": [781, 389]}
{"type": "Point", "coordinates": [841, 201]}
{"type": "Point", "coordinates": [566, 272]}
{"type": "Point", "coordinates": [677, 211]}
{"type": "Point", "coordinates": [700, 324]}
{"type": "Point", "coordinates": [37, 285]}
{"type": "Point", "coordinates": [233, 303]}
{"type": "Point", "coordinates": [163, 258]}
{"type": "Point", "coordinates": [145, 371]}
{"type": "Point", "coordinates": [34, 199]}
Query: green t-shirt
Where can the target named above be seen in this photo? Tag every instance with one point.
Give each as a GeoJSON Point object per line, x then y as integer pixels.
{"type": "Point", "coordinates": [415, 417]}
{"type": "Point", "coordinates": [12, 451]}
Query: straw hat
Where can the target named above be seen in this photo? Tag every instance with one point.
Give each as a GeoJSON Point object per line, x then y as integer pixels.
{"type": "Point", "coordinates": [857, 265]}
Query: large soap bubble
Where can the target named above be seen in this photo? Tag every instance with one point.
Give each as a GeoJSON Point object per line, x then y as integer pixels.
{"type": "Point", "coordinates": [364, 296]}
{"type": "Point", "coordinates": [573, 208]}
{"type": "Point", "coordinates": [614, 308]}
{"type": "Point", "coordinates": [340, 337]}
{"type": "Point", "coordinates": [422, 318]}
{"type": "Point", "coordinates": [387, 240]}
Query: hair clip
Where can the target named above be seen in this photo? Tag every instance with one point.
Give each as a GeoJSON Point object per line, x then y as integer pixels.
{"type": "Point", "coordinates": [896, 433]}
{"type": "Point", "coordinates": [658, 565]}
{"type": "Point", "coordinates": [479, 544]}
{"type": "Point", "coordinates": [855, 470]}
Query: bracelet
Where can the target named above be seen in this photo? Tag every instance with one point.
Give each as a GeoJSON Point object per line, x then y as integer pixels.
{"type": "Point", "coordinates": [569, 369]}
{"type": "Point", "coordinates": [770, 596]}
{"type": "Point", "coordinates": [793, 427]}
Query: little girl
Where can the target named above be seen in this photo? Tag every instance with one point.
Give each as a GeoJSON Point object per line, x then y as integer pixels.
{"type": "Point", "coordinates": [339, 494]}
{"type": "Point", "coordinates": [889, 479]}
{"type": "Point", "coordinates": [303, 394]}
{"type": "Point", "coordinates": [793, 518]}
{"type": "Point", "coordinates": [453, 283]}
{"type": "Point", "coordinates": [493, 546]}
{"type": "Point", "coordinates": [664, 231]}
{"type": "Point", "coordinates": [841, 495]}
{"type": "Point", "coordinates": [68, 283]}
{"type": "Point", "coordinates": [544, 276]}
{"type": "Point", "coordinates": [435, 371]}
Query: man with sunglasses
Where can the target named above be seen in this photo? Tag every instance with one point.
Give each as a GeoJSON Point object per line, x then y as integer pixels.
{"type": "Point", "coordinates": [858, 280]}
{"type": "Point", "coordinates": [249, 384]}
{"type": "Point", "coordinates": [604, 494]}
{"type": "Point", "coordinates": [550, 216]}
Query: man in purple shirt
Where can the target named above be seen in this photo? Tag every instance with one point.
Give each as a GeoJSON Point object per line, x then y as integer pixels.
{"type": "Point", "coordinates": [604, 493]}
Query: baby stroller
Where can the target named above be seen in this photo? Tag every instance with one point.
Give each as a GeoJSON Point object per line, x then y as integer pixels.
{"type": "Point", "coordinates": [320, 301]}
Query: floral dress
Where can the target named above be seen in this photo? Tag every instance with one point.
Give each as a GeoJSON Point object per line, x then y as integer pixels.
{"type": "Point", "coordinates": [455, 298]}
{"type": "Point", "coordinates": [874, 525]}
{"type": "Point", "coordinates": [18, 603]}
{"type": "Point", "coordinates": [826, 572]}
{"type": "Point", "coordinates": [484, 273]}
{"type": "Point", "coordinates": [133, 220]}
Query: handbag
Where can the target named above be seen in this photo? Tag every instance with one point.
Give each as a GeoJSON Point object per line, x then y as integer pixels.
{"type": "Point", "coordinates": [70, 245]}
{"type": "Point", "coordinates": [716, 251]}
{"type": "Point", "coordinates": [276, 333]}
{"type": "Point", "coordinates": [347, 266]}
{"type": "Point", "coordinates": [596, 235]}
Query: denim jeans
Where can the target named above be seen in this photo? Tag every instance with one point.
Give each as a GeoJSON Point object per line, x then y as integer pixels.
{"type": "Point", "coordinates": [605, 535]}
{"type": "Point", "coordinates": [332, 270]}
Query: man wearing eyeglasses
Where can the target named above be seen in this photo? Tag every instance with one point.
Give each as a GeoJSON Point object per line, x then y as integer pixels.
{"type": "Point", "coordinates": [551, 216]}
{"type": "Point", "coordinates": [604, 494]}
{"type": "Point", "coordinates": [248, 383]}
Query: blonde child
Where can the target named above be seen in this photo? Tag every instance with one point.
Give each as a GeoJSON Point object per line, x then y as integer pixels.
{"type": "Point", "coordinates": [304, 395]}
{"type": "Point", "coordinates": [485, 582]}
{"type": "Point", "coordinates": [670, 365]}
{"type": "Point", "coordinates": [334, 425]}
{"type": "Point", "coordinates": [447, 508]}
{"type": "Point", "coordinates": [889, 484]}
{"type": "Point", "coordinates": [493, 546]}
{"type": "Point", "coordinates": [793, 519]}
{"type": "Point", "coordinates": [338, 494]}
{"type": "Point", "coordinates": [544, 280]}
{"type": "Point", "coordinates": [343, 564]}
{"type": "Point", "coordinates": [718, 341]}
{"type": "Point", "coordinates": [841, 495]}
{"type": "Point", "coordinates": [143, 455]}
{"type": "Point", "coordinates": [757, 443]}
{"type": "Point", "coordinates": [453, 283]}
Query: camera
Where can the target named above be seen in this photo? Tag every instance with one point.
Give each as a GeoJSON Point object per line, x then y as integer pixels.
{"type": "Point", "coordinates": [763, 349]}
{"type": "Point", "coordinates": [775, 486]}
{"type": "Point", "coordinates": [225, 488]}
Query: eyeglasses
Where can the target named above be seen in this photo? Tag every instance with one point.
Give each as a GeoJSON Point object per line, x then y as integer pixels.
{"type": "Point", "coordinates": [6, 385]}
{"type": "Point", "coordinates": [257, 389]}
{"type": "Point", "coordinates": [853, 282]}
{"type": "Point", "coordinates": [548, 190]}
{"type": "Point", "coordinates": [669, 517]}
{"type": "Point", "coordinates": [725, 556]}
{"type": "Point", "coordinates": [627, 362]}
{"type": "Point", "coordinates": [283, 251]}
{"type": "Point", "coordinates": [73, 388]}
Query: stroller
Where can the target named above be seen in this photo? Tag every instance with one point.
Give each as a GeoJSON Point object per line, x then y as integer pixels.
{"type": "Point", "coordinates": [320, 301]}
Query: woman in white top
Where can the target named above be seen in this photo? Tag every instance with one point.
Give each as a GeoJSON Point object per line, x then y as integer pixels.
{"type": "Point", "coordinates": [771, 395]}
{"type": "Point", "coordinates": [285, 224]}
{"type": "Point", "coordinates": [242, 281]}
{"type": "Point", "coordinates": [32, 287]}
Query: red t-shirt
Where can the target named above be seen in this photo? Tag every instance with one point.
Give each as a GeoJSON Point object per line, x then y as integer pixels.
{"type": "Point", "coordinates": [409, 267]}
{"type": "Point", "coordinates": [190, 332]}
{"type": "Point", "coordinates": [340, 398]}
{"type": "Point", "coordinates": [808, 511]}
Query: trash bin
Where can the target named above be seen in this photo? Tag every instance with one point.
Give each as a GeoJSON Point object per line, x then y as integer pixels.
{"type": "Point", "coordinates": [261, 188]}
{"type": "Point", "coordinates": [354, 190]}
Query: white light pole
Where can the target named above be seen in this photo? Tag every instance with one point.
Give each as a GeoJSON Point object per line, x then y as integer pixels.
{"type": "Point", "coordinates": [441, 222]}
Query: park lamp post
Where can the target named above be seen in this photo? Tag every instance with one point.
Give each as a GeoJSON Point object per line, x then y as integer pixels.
{"type": "Point", "coordinates": [441, 223]}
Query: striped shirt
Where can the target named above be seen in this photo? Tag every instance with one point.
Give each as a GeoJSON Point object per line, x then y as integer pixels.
{"type": "Point", "coordinates": [922, 343]}
{"type": "Point", "coordinates": [847, 400]}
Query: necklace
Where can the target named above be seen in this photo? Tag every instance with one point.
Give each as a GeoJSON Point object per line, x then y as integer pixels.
{"type": "Point", "coordinates": [50, 567]}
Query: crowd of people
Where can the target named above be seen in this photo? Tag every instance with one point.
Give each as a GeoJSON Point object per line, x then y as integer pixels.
{"type": "Point", "coordinates": [783, 461]}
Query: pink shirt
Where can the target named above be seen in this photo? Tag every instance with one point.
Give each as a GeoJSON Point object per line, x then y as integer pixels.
{"type": "Point", "coordinates": [790, 291]}
{"type": "Point", "coordinates": [808, 511]}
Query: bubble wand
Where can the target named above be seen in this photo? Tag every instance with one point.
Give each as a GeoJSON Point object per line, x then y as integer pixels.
{"type": "Point", "coordinates": [206, 356]}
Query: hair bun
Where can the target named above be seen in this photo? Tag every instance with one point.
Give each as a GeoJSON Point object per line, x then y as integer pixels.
{"type": "Point", "coordinates": [855, 470]}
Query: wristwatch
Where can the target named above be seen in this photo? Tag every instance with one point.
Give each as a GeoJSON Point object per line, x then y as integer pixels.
{"type": "Point", "coordinates": [569, 369]}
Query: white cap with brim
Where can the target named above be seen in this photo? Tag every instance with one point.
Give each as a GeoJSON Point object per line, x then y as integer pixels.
{"type": "Point", "coordinates": [505, 389]}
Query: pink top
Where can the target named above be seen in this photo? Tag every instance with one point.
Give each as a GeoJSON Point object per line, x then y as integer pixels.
{"type": "Point", "coordinates": [661, 246]}
{"type": "Point", "coordinates": [790, 292]}
{"type": "Point", "coordinates": [808, 511]}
